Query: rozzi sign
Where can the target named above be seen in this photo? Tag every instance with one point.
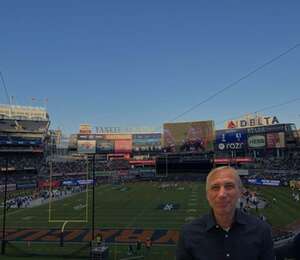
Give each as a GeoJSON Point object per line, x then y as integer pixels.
{"type": "Point", "coordinates": [256, 141]}
{"type": "Point", "coordinates": [230, 146]}
{"type": "Point", "coordinates": [230, 139]}
{"type": "Point", "coordinates": [252, 122]}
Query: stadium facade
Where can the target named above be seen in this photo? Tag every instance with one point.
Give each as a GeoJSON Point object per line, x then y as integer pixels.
{"type": "Point", "coordinates": [186, 147]}
{"type": "Point", "coordinates": [181, 147]}
{"type": "Point", "coordinates": [23, 142]}
{"type": "Point", "coordinates": [251, 136]}
{"type": "Point", "coordinates": [23, 128]}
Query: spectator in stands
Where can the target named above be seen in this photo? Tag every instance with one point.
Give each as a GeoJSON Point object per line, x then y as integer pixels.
{"type": "Point", "coordinates": [225, 232]}
{"type": "Point", "coordinates": [138, 246]}
{"type": "Point", "coordinates": [148, 244]}
{"type": "Point", "coordinates": [130, 250]}
{"type": "Point", "coordinates": [99, 239]}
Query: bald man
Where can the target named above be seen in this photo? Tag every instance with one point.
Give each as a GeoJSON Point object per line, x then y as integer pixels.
{"type": "Point", "coordinates": [225, 232]}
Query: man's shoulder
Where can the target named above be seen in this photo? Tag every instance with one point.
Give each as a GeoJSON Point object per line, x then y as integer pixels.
{"type": "Point", "coordinates": [252, 220]}
{"type": "Point", "coordinates": [198, 224]}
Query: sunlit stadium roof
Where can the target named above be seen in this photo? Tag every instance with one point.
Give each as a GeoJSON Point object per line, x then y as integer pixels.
{"type": "Point", "coordinates": [23, 112]}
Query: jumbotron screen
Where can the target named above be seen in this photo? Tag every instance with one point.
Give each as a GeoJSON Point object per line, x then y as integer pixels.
{"type": "Point", "coordinates": [189, 136]}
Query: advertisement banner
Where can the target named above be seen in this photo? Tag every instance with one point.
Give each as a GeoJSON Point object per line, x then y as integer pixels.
{"type": "Point", "coordinates": [10, 187]}
{"type": "Point", "coordinates": [20, 141]}
{"type": "Point", "coordinates": [85, 182]}
{"type": "Point", "coordinates": [90, 136]}
{"type": "Point", "coordinates": [234, 160]}
{"type": "Point", "coordinates": [46, 184]}
{"type": "Point", "coordinates": [123, 146]}
{"type": "Point", "coordinates": [77, 182]}
{"type": "Point", "coordinates": [104, 146]}
{"type": "Point", "coordinates": [234, 139]}
{"type": "Point", "coordinates": [188, 136]}
{"type": "Point", "coordinates": [256, 141]}
{"type": "Point", "coordinates": [86, 147]}
{"type": "Point", "coordinates": [264, 182]}
{"type": "Point", "coordinates": [275, 140]}
{"type": "Point", "coordinates": [26, 186]}
{"type": "Point", "coordinates": [69, 183]}
{"type": "Point", "coordinates": [267, 129]}
{"type": "Point", "coordinates": [117, 136]}
{"type": "Point", "coordinates": [252, 121]}
{"type": "Point", "coordinates": [146, 142]}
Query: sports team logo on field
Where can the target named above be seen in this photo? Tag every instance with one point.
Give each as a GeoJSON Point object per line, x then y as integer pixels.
{"type": "Point", "coordinates": [168, 206]}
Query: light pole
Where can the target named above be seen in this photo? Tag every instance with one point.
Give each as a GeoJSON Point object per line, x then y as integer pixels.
{"type": "Point", "coordinates": [93, 210]}
{"type": "Point", "coordinates": [4, 210]}
{"type": "Point", "coordinates": [167, 166]}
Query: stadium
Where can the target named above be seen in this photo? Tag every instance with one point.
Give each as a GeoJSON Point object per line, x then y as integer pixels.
{"type": "Point", "coordinates": [123, 187]}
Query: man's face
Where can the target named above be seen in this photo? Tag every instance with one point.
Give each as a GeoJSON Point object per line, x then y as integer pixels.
{"type": "Point", "coordinates": [223, 192]}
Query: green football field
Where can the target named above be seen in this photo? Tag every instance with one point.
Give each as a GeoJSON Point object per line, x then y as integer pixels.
{"type": "Point", "coordinates": [118, 206]}
{"type": "Point", "coordinates": [125, 213]}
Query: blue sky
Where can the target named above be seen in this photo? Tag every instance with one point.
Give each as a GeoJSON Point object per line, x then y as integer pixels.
{"type": "Point", "coordinates": [142, 63]}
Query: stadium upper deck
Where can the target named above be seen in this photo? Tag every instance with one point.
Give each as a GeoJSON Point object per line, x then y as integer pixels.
{"type": "Point", "coordinates": [23, 128]}
{"type": "Point", "coordinates": [23, 119]}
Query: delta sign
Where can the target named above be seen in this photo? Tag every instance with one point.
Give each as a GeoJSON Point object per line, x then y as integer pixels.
{"type": "Point", "coordinates": [251, 121]}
